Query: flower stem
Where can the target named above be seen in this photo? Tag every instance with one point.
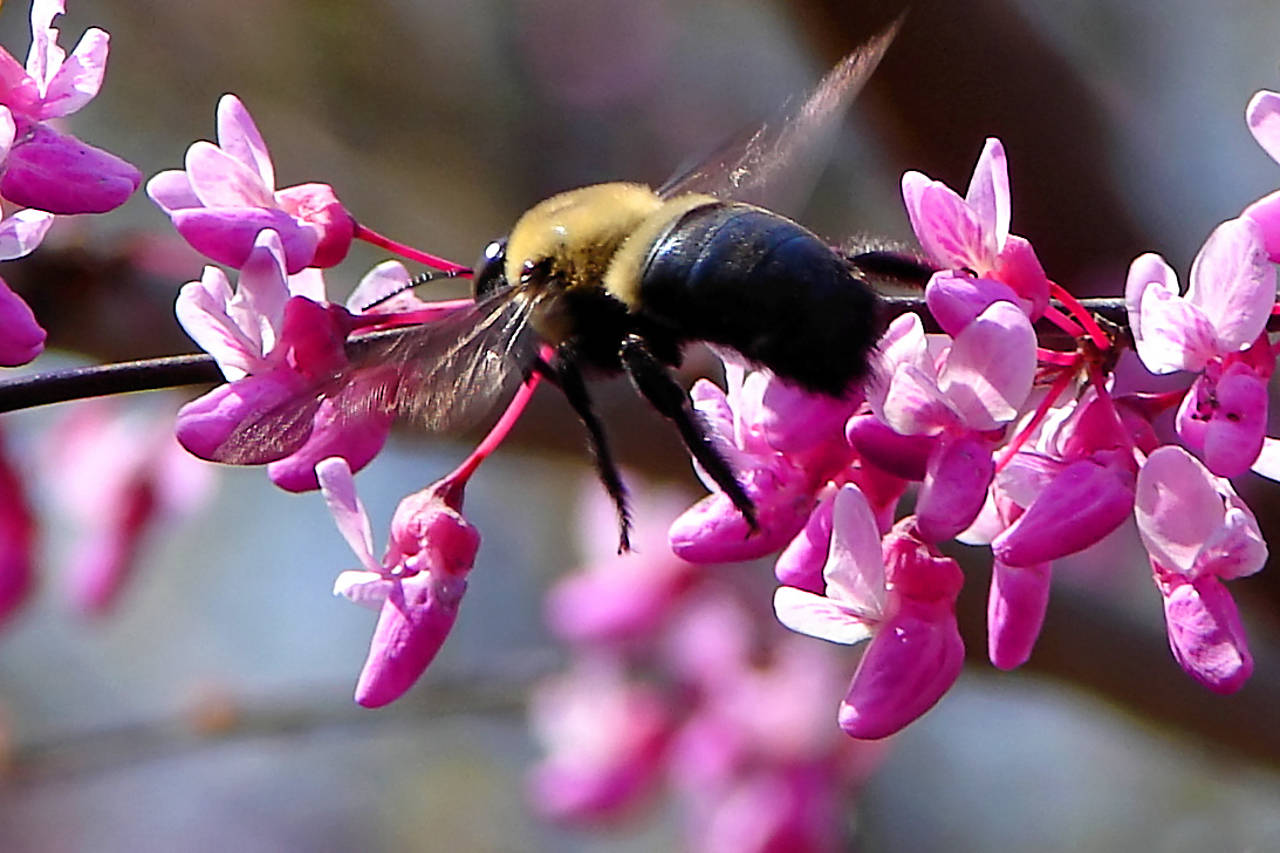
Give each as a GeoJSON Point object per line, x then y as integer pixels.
{"type": "Point", "coordinates": [371, 236]}
{"type": "Point", "coordinates": [504, 425]}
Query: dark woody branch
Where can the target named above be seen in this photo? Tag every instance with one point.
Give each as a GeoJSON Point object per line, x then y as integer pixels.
{"type": "Point", "coordinates": [152, 374]}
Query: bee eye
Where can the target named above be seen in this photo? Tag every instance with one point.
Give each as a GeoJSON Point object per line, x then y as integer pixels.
{"type": "Point", "coordinates": [489, 275]}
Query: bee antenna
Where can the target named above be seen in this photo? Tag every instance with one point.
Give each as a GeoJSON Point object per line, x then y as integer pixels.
{"type": "Point", "coordinates": [416, 281]}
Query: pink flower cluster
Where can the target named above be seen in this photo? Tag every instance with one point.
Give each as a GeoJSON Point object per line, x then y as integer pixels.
{"type": "Point", "coordinates": [676, 680]}
{"type": "Point", "coordinates": [1036, 453]}
{"type": "Point", "coordinates": [44, 170]}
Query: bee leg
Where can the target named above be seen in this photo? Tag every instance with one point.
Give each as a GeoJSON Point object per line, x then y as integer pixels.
{"type": "Point", "coordinates": [652, 379]}
{"type": "Point", "coordinates": [565, 373]}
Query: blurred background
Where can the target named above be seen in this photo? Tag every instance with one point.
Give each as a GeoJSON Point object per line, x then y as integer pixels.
{"type": "Point", "coordinates": [212, 708]}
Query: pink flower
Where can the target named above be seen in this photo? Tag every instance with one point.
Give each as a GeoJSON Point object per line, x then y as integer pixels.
{"type": "Point", "coordinates": [227, 195]}
{"type": "Point", "coordinates": [276, 339]}
{"type": "Point", "coordinates": [958, 398]}
{"type": "Point", "coordinates": [902, 598]}
{"type": "Point", "coordinates": [418, 585]}
{"type": "Point", "coordinates": [619, 598]}
{"type": "Point", "coordinates": [17, 538]}
{"type": "Point", "coordinates": [1199, 533]}
{"type": "Point", "coordinates": [21, 337]}
{"type": "Point", "coordinates": [1263, 118]}
{"type": "Point", "coordinates": [604, 737]}
{"type": "Point", "coordinates": [1211, 330]}
{"type": "Point", "coordinates": [781, 461]}
{"type": "Point", "coordinates": [970, 238]}
{"type": "Point", "coordinates": [121, 477]}
{"type": "Point", "coordinates": [45, 168]}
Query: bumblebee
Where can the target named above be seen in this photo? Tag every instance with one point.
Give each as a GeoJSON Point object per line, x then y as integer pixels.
{"type": "Point", "coordinates": [619, 277]}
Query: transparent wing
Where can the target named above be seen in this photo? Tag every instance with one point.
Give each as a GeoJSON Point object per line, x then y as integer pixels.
{"type": "Point", "coordinates": [441, 375]}
{"type": "Point", "coordinates": [747, 163]}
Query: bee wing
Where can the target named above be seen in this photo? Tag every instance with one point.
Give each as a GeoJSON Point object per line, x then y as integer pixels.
{"type": "Point", "coordinates": [749, 162]}
{"type": "Point", "coordinates": [442, 375]}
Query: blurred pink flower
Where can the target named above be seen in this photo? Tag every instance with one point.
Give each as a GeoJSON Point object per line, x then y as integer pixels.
{"type": "Point", "coordinates": [418, 585]}
{"type": "Point", "coordinates": [616, 597]}
{"type": "Point", "coordinates": [1198, 533]}
{"type": "Point", "coordinates": [604, 739]}
{"type": "Point", "coordinates": [122, 476]}
{"type": "Point", "coordinates": [17, 535]}
{"type": "Point", "coordinates": [227, 195]}
{"type": "Point", "coordinates": [45, 168]}
{"type": "Point", "coordinates": [901, 596]}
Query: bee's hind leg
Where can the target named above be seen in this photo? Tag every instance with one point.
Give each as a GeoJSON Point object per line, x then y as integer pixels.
{"type": "Point", "coordinates": [652, 379]}
{"type": "Point", "coordinates": [565, 373]}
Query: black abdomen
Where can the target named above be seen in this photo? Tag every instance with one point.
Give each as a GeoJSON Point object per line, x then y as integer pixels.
{"type": "Point", "coordinates": [743, 277]}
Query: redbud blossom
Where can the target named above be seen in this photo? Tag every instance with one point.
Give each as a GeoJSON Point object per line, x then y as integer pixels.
{"type": "Point", "coordinates": [21, 337]}
{"type": "Point", "coordinates": [901, 597]}
{"type": "Point", "coordinates": [275, 338]}
{"type": "Point", "coordinates": [227, 195]}
{"type": "Point", "coordinates": [1263, 117]}
{"type": "Point", "coordinates": [743, 422]}
{"type": "Point", "coordinates": [1223, 313]}
{"type": "Point", "coordinates": [971, 235]}
{"type": "Point", "coordinates": [620, 597]}
{"type": "Point", "coordinates": [122, 476]}
{"type": "Point", "coordinates": [604, 738]}
{"type": "Point", "coordinates": [1199, 533]}
{"type": "Point", "coordinates": [418, 585]}
{"type": "Point", "coordinates": [45, 168]}
{"type": "Point", "coordinates": [958, 398]}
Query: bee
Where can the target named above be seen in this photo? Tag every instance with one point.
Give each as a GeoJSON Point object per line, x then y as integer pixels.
{"type": "Point", "coordinates": [618, 278]}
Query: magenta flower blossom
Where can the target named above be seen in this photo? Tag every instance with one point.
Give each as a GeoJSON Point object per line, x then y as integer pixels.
{"type": "Point", "coordinates": [958, 399]}
{"type": "Point", "coordinates": [273, 336]}
{"type": "Point", "coordinates": [21, 337]}
{"type": "Point", "coordinates": [901, 597]}
{"type": "Point", "coordinates": [418, 585]}
{"type": "Point", "coordinates": [1198, 534]}
{"type": "Point", "coordinates": [749, 425]}
{"type": "Point", "coordinates": [45, 168]}
{"type": "Point", "coordinates": [121, 477]}
{"type": "Point", "coordinates": [1210, 330]}
{"type": "Point", "coordinates": [969, 237]}
{"type": "Point", "coordinates": [227, 195]}
{"type": "Point", "coordinates": [17, 539]}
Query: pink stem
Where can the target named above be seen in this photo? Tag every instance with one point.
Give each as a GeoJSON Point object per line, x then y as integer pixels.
{"type": "Point", "coordinates": [1056, 357]}
{"type": "Point", "coordinates": [371, 236]}
{"type": "Point", "coordinates": [1063, 322]}
{"type": "Point", "coordinates": [1055, 391]}
{"type": "Point", "coordinates": [1100, 339]}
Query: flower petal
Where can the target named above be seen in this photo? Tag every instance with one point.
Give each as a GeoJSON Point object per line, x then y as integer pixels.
{"type": "Point", "coordinates": [1177, 507]}
{"type": "Point", "coordinates": [818, 616]}
{"type": "Point", "coordinates": [56, 172]}
{"type": "Point", "coordinates": [988, 374]}
{"type": "Point", "coordinates": [339, 490]}
{"type": "Point", "coordinates": [1233, 284]}
{"type": "Point", "coordinates": [21, 337]}
{"type": "Point", "coordinates": [854, 571]}
{"type": "Point", "coordinates": [1015, 612]}
{"type": "Point", "coordinates": [1206, 635]}
{"type": "Point", "coordinates": [913, 660]}
{"type": "Point", "coordinates": [239, 137]}
{"type": "Point", "coordinates": [78, 78]}
{"type": "Point", "coordinates": [1263, 118]}
{"type": "Point", "coordinates": [988, 195]}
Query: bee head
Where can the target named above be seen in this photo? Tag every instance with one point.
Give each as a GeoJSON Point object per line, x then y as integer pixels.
{"type": "Point", "coordinates": [490, 275]}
